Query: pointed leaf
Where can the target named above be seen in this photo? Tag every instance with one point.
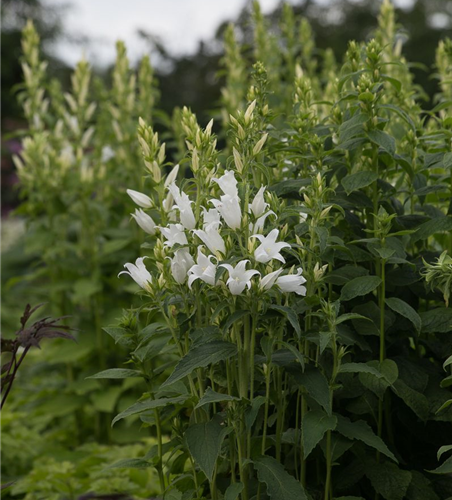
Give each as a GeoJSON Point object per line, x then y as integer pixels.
{"type": "Point", "coordinates": [210, 396]}
{"type": "Point", "coordinates": [280, 484]}
{"type": "Point", "coordinates": [117, 373]}
{"type": "Point", "coordinates": [315, 424]}
{"type": "Point", "coordinates": [401, 307]}
{"type": "Point", "coordinates": [359, 286]}
{"type": "Point", "coordinates": [200, 356]}
{"type": "Point", "coordinates": [148, 404]}
{"type": "Point", "coordinates": [360, 430]}
{"type": "Point", "coordinates": [357, 181]}
{"type": "Point", "coordinates": [204, 443]}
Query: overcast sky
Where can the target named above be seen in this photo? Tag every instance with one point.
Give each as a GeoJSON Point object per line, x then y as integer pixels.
{"type": "Point", "coordinates": [180, 24]}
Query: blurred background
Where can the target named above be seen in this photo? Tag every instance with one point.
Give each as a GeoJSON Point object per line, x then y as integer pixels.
{"type": "Point", "coordinates": [184, 38]}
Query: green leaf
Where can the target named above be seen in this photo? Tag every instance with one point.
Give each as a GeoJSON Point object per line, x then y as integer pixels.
{"type": "Point", "coordinates": [349, 316]}
{"type": "Point", "coordinates": [401, 307]}
{"type": "Point", "coordinates": [420, 488]}
{"type": "Point", "coordinates": [233, 491]}
{"type": "Point", "coordinates": [317, 386]}
{"type": "Point", "coordinates": [359, 286]}
{"type": "Point", "coordinates": [443, 449]}
{"type": "Point", "coordinates": [200, 356]}
{"type": "Point", "coordinates": [413, 399]}
{"type": "Point", "coordinates": [233, 318]}
{"type": "Point", "coordinates": [388, 480]}
{"type": "Point", "coordinates": [251, 413]}
{"type": "Point", "coordinates": [431, 227]}
{"type": "Point", "coordinates": [445, 468]}
{"type": "Point", "coordinates": [117, 373]}
{"type": "Point", "coordinates": [120, 335]}
{"type": "Point", "coordinates": [357, 181]}
{"type": "Point", "coordinates": [295, 352]}
{"type": "Point", "coordinates": [148, 404]}
{"type": "Point", "coordinates": [290, 314]}
{"type": "Point", "coordinates": [280, 484]}
{"type": "Point", "coordinates": [383, 140]}
{"type": "Point", "coordinates": [359, 368]}
{"type": "Point", "coordinates": [204, 442]}
{"type": "Point", "coordinates": [130, 463]}
{"type": "Point", "coordinates": [210, 396]}
{"type": "Point", "coordinates": [388, 368]}
{"type": "Point", "coordinates": [315, 424]}
{"type": "Point", "coordinates": [360, 430]}
{"type": "Point", "coordinates": [437, 320]}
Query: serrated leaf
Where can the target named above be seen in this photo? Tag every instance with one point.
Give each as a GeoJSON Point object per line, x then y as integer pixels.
{"type": "Point", "coordinates": [413, 399]}
{"type": "Point", "coordinates": [353, 182]}
{"type": "Point", "coordinates": [359, 368]}
{"type": "Point", "coordinates": [315, 424]}
{"type": "Point", "coordinates": [437, 320]}
{"type": "Point", "coordinates": [388, 480]}
{"type": "Point", "coordinates": [401, 307]}
{"type": "Point", "coordinates": [359, 287]}
{"type": "Point", "coordinates": [117, 373]}
{"type": "Point", "coordinates": [388, 368]}
{"type": "Point", "coordinates": [291, 315]}
{"type": "Point", "coordinates": [233, 491]}
{"type": "Point", "coordinates": [420, 488]}
{"type": "Point", "coordinates": [204, 442]}
{"type": "Point", "coordinates": [317, 386]}
{"type": "Point", "coordinates": [210, 396]}
{"type": "Point", "coordinates": [280, 484]}
{"type": "Point", "coordinates": [130, 463]}
{"type": "Point", "coordinates": [384, 140]}
{"type": "Point", "coordinates": [251, 413]}
{"type": "Point", "coordinates": [148, 404]}
{"type": "Point", "coordinates": [361, 431]}
{"type": "Point", "coordinates": [201, 356]}
{"type": "Point", "coordinates": [431, 227]}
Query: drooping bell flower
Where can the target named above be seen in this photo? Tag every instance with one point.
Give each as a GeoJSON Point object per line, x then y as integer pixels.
{"type": "Point", "coordinates": [204, 269]}
{"type": "Point", "coordinates": [211, 237]}
{"type": "Point", "coordinates": [174, 233]}
{"type": "Point", "coordinates": [139, 273]}
{"type": "Point", "coordinates": [141, 199]}
{"type": "Point", "coordinates": [269, 249]}
{"type": "Point", "coordinates": [144, 221]}
{"type": "Point", "coordinates": [292, 283]}
{"type": "Point", "coordinates": [269, 280]}
{"type": "Point", "coordinates": [228, 183]}
{"type": "Point", "coordinates": [180, 264]}
{"type": "Point", "coordinates": [239, 277]}
{"type": "Point", "coordinates": [230, 211]}
{"type": "Point", "coordinates": [183, 204]}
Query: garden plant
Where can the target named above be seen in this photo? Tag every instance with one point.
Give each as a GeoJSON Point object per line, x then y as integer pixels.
{"type": "Point", "coordinates": [291, 259]}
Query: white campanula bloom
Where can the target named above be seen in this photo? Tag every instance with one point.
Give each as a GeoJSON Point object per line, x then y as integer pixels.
{"type": "Point", "coordinates": [144, 221]}
{"type": "Point", "coordinates": [258, 206]}
{"type": "Point", "coordinates": [167, 203]}
{"type": "Point", "coordinates": [183, 204]}
{"type": "Point", "coordinates": [174, 233]}
{"type": "Point", "coordinates": [204, 269]}
{"type": "Point", "coordinates": [269, 249]}
{"type": "Point", "coordinates": [141, 199]}
{"type": "Point", "coordinates": [269, 280]}
{"type": "Point", "coordinates": [292, 283]}
{"type": "Point", "coordinates": [229, 208]}
{"type": "Point", "coordinates": [211, 237]}
{"type": "Point", "coordinates": [259, 224]}
{"type": "Point", "coordinates": [139, 273]}
{"type": "Point", "coordinates": [180, 264]}
{"type": "Point", "coordinates": [209, 216]}
{"type": "Point", "coordinates": [172, 175]}
{"type": "Point", "coordinates": [228, 183]}
{"type": "Point", "coordinates": [239, 277]}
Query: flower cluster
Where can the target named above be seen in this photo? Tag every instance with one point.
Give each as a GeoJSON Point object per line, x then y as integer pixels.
{"type": "Point", "coordinates": [214, 251]}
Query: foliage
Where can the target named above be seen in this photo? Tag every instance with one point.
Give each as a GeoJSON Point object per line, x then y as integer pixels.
{"type": "Point", "coordinates": [284, 342]}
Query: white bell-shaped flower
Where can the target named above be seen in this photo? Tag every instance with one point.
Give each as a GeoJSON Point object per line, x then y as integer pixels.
{"type": "Point", "coordinates": [209, 216]}
{"type": "Point", "coordinates": [144, 221]}
{"type": "Point", "coordinates": [292, 283]}
{"type": "Point", "coordinates": [172, 175]}
{"type": "Point", "coordinates": [269, 280]}
{"type": "Point", "coordinates": [183, 204]}
{"type": "Point", "coordinates": [211, 237]}
{"type": "Point", "coordinates": [139, 273]}
{"type": "Point", "coordinates": [228, 183]}
{"type": "Point", "coordinates": [230, 211]}
{"type": "Point", "coordinates": [180, 264]}
{"type": "Point", "coordinates": [239, 277]}
{"type": "Point", "coordinates": [204, 269]}
{"type": "Point", "coordinates": [141, 199]}
{"type": "Point", "coordinates": [269, 249]}
{"type": "Point", "coordinates": [174, 233]}
{"type": "Point", "coordinates": [258, 206]}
